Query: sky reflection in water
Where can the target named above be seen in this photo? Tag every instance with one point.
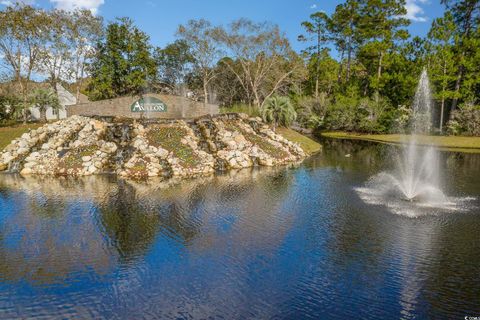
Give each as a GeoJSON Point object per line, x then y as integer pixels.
{"type": "Point", "coordinates": [280, 243]}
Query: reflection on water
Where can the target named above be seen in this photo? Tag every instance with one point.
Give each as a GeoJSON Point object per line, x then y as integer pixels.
{"type": "Point", "coordinates": [278, 243]}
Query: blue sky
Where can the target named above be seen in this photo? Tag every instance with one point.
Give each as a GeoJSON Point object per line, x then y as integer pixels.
{"type": "Point", "coordinates": [160, 18]}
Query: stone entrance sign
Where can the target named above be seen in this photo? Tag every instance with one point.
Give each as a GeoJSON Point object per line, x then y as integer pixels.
{"type": "Point", "coordinates": [151, 105]}
{"type": "Point", "coordinates": [148, 104]}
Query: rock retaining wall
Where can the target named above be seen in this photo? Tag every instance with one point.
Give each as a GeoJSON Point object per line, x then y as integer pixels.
{"type": "Point", "coordinates": [84, 146]}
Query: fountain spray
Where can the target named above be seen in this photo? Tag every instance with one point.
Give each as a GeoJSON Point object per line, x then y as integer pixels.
{"type": "Point", "coordinates": [415, 183]}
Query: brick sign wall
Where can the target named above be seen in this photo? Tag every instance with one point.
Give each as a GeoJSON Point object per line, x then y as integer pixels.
{"type": "Point", "coordinates": [149, 106]}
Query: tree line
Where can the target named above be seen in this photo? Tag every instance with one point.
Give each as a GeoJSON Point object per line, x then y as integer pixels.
{"type": "Point", "coordinates": [368, 86]}
{"type": "Point", "coordinates": [56, 44]}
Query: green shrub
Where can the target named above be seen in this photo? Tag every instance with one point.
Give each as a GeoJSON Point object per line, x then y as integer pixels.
{"type": "Point", "coordinates": [311, 111]}
{"type": "Point", "coordinates": [43, 99]}
{"type": "Point", "coordinates": [241, 108]}
{"type": "Point", "coordinates": [402, 119]}
{"type": "Point", "coordinates": [342, 114]}
{"type": "Point", "coordinates": [279, 111]}
{"type": "Point", "coordinates": [351, 113]}
{"type": "Point", "coordinates": [375, 116]}
{"type": "Point", "coordinates": [465, 121]}
{"type": "Point", "coordinates": [10, 105]}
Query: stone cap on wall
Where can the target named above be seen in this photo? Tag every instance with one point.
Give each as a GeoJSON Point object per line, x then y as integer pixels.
{"type": "Point", "coordinates": [148, 106]}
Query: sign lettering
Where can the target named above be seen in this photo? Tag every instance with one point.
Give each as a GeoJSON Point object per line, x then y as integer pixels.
{"type": "Point", "coordinates": [148, 104]}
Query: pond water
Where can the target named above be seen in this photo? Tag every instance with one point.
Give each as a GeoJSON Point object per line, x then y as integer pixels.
{"type": "Point", "coordinates": [286, 243]}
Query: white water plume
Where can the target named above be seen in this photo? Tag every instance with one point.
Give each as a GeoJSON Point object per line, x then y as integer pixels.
{"type": "Point", "coordinates": [414, 186]}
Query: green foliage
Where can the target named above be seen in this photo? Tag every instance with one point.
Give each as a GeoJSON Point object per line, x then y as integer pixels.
{"type": "Point", "coordinates": [317, 29]}
{"type": "Point", "coordinates": [402, 120]}
{"type": "Point", "coordinates": [173, 62]}
{"type": "Point", "coordinates": [228, 89]}
{"type": "Point", "coordinates": [23, 34]}
{"type": "Point", "coordinates": [342, 114]}
{"type": "Point", "coordinates": [241, 108]}
{"type": "Point", "coordinates": [375, 115]}
{"type": "Point", "coordinates": [44, 98]}
{"type": "Point", "coordinates": [442, 68]}
{"type": "Point", "coordinates": [404, 68]}
{"type": "Point", "coordinates": [367, 87]}
{"type": "Point", "coordinates": [123, 64]}
{"type": "Point", "coordinates": [354, 114]}
{"type": "Point", "coordinates": [311, 111]}
{"type": "Point", "coordinates": [279, 111]}
{"type": "Point", "coordinates": [465, 121]}
{"type": "Point", "coordinates": [10, 106]}
{"type": "Point", "coordinates": [73, 158]}
{"type": "Point", "coordinates": [322, 74]}
{"type": "Point", "coordinates": [170, 138]}
{"type": "Point", "coordinates": [376, 60]}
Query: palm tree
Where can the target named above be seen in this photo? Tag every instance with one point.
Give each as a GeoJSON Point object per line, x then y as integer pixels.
{"type": "Point", "coordinates": [279, 111]}
{"type": "Point", "coordinates": [44, 98]}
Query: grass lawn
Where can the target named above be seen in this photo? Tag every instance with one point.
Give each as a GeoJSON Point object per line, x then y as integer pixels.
{"type": "Point", "coordinates": [308, 145]}
{"type": "Point", "coordinates": [449, 143]}
{"type": "Point", "coordinates": [7, 134]}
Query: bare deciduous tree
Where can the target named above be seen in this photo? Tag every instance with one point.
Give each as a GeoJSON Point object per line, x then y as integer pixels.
{"type": "Point", "coordinates": [56, 53]}
{"type": "Point", "coordinates": [267, 62]}
{"type": "Point", "coordinates": [23, 33]}
{"type": "Point", "coordinates": [198, 34]}
{"type": "Point", "coordinates": [84, 31]}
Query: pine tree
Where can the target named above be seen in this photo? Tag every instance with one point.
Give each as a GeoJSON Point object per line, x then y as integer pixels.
{"type": "Point", "coordinates": [466, 14]}
{"type": "Point", "coordinates": [123, 64]}
{"type": "Point", "coordinates": [344, 28]}
{"type": "Point", "coordinates": [442, 69]}
{"type": "Point", "coordinates": [317, 29]}
{"type": "Point", "coordinates": [381, 25]}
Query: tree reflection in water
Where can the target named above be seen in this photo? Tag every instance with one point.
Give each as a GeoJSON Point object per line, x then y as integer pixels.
{"type": "Point", "coordinates": [46, 234]}
{"type": "Point", "coordinates": [65, 225]}
{"type": "Point", "coordinates": [276, 243]}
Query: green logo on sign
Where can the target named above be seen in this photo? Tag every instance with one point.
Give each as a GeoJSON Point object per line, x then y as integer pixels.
{"type": "Point", "coordinates": [148, 104]}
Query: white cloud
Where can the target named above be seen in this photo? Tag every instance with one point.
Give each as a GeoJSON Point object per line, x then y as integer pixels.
{"type": "Point", "coordinates": [313, 6]}
{"type": "Point", "coordinates": [415, 11]}
{"type": "Point", "coordinates": [69, 5]}
{"type": "Point", "coordinates": [10, 3]}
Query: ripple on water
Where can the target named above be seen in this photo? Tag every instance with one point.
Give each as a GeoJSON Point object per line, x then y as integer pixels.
{"type": "Point", "coordinates": [282, 244]}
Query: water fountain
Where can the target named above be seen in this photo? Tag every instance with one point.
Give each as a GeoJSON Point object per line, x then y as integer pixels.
{"type": "Point", "coordinates": [414, 186]}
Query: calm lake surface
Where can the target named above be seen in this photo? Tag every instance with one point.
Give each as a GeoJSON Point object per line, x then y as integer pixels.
{"type": "Point", "coordinates": [288, 243]}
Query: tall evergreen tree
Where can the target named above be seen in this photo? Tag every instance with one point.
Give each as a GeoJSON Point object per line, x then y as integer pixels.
{"type": "Point", "coordinates": [442, 69]}
{"type": "Point", "coordinates": [317, 29]}
{"type": "Point", "coordinates": [123, 63]}
{"type": "Point", "coordinates": [381, 25]}
{"type": "Point", "coordinates": [344, 27]}
{"type": "Point", "coordinates": [466, 14]}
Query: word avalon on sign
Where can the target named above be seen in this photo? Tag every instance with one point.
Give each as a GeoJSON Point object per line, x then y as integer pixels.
{"type": "Point", "coordinates": [148, 104]}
